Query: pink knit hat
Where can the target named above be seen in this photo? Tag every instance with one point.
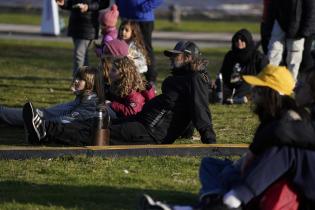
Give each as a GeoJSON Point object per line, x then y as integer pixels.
{"type": "Point", "coordinates": [110, 16]}
{"type": "Point", "coordinates": [117, 47]}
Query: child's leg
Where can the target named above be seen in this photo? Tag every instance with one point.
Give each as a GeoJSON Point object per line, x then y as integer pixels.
{"type": "Point", "coordinates": [276, 44]}
{"type": "Point", "coordinates": [11, 116]}
{"type": "Point", "coordinates": [217, 176]}
{"type": "Point", "coordinates": [295, 49]}
{"type": "Point", "coordinates": [59, 109]}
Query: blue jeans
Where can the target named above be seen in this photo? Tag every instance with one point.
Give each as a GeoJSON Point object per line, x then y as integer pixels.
{"type": "Point", "coordinates": [14, 116]}
{"type": "Point", "coordinates": [80, 53]}
{"type": "Point", "coordinates": [217, 176]}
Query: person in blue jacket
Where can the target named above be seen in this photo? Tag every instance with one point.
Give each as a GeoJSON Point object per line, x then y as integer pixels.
{"type": "Point", "coordinates": [142, 11]}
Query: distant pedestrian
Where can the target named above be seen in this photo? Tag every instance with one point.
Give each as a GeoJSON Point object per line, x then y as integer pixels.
{"type": "Point", "coordinates": [293, 22]}
{"type": "Point", "coordinates": [142, 11]}
{"type": "Point", "coordinates": [83, 26]}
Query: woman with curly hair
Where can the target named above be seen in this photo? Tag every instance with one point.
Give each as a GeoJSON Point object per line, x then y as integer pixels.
{"type": "Point", "coordinates": [127, 91]}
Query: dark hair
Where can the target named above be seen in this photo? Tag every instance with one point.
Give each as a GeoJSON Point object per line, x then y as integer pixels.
{"type": "Point", "coordinates": [94, 80]}
{"type": "Point", "coordinates": [136, 36]}
{"type": "Point", "coordinates": [272, 105]}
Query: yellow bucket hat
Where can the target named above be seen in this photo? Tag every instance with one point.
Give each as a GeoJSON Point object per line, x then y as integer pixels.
{"type": "Point", "coordinates": [279, 78]}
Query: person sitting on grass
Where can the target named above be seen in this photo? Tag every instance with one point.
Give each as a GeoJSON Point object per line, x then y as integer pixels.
{"type": "Point", "coordinates": [242, 59]}
{"type": "Point", "coordinates": [272, 92]}
{"type": "Point", "coordinates": [162, 120]}
{"type": "Point", "coordinates": [13, 116]}
{"type": "Point", "coordinates": [127, 91]}
{"type": "Point", "coordinates": [81, 108]}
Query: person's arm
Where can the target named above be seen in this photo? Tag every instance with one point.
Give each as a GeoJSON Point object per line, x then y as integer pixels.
{"type": "Point", "coordinates": [150, 5]}
{"type": "Point", "coordinates": [131, 105]}
{"type": "Point", "coordinates": [308, 18]}
{"type": "Point", "coordinates": [199, 110]}
{"type": "Point", "coordinates": [261, 62]}
{"type": "Point", "coordinates": [65, 4]}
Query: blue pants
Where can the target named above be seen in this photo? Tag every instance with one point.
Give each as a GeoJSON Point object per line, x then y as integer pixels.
{"type": "Point", "coordinates": [218, 176]}
{"type": "Point", "coordinates": [80, 53]}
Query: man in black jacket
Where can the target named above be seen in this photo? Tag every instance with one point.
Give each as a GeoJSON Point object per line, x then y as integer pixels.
{"type": "Point", "coordinates": [83, 26]}
{"type": "Point", "coordinates": [184, 99]}
{"type": "Point", "coordinates": [293, 21]}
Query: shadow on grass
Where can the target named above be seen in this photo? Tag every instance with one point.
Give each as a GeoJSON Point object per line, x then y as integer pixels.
{"type": "Point", "coordinates": [84, 197]}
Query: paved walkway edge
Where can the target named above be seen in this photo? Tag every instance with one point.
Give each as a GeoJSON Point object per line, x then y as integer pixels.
{"type": "Point", "coordinates": [25, 152]}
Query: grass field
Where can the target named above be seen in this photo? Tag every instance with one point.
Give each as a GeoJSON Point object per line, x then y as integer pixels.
{"type": "Point", "coordinates": [41, 72]}
{"type": "Point", "coordinates": [160, 25]}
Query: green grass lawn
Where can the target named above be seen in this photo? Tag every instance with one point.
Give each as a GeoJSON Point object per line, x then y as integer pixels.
{"type": "Point", "coordinates": [41, 72]}
{"type": "Point", "coordinates": [160, 25]}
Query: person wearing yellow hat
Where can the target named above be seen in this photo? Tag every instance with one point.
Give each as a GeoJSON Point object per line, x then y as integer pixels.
{"type": "Point", "coordinates": [286, 146]}
{"type": "Point", "coordinates": [273, 101]}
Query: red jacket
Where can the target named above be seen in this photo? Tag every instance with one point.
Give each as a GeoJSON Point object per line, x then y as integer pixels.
{"type": "Point", "coordinates": [132, 103]}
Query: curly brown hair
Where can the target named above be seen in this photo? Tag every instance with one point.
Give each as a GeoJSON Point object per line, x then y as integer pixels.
{"type": "Point", "coordinates": [105, 65]}
{"type": "Point", "coordinates": [129, 78]}
{"type": "Point", "coordinates": [136, 36]}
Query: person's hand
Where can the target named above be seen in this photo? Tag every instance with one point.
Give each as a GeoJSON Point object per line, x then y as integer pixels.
{"type": "Point", "coordinates": [83, 7]}
{"type": "Point", "coordinates": [249, 158]}
{"type": "Point", "coordinates": [212, 84]}
{"type": "Point", "coordinates": [60, 2]}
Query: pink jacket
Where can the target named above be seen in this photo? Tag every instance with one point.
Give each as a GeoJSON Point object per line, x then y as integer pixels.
{"type": "Point", "coordinates": [132, 103]}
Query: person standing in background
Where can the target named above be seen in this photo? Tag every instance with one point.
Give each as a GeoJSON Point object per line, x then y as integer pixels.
{"type": "Point", "coordinates": [83, 26]}
{"type": "Point", "coordinates": [293, 22]}
{"type": "Point", "coordinates": [142, 11]}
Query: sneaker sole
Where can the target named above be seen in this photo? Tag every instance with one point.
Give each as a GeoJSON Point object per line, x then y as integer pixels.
{"type": "Point", "coordinates": [28, 116]}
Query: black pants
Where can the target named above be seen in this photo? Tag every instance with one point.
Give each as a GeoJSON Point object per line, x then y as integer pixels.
{"type": "Point", "coordinates": [81, 133]}
{"type": "Point", "coordinates": [147, 28]}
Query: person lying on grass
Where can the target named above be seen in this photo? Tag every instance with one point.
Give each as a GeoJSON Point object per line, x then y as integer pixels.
{"type": "Point", "coordinates": [13, 116]}
{"type": "Point", "coordinates": [280, 122]}
{"type": "Point", "coordinates": [162, 120]}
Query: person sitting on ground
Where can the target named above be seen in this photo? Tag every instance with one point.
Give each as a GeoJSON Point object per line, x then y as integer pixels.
{"type": "Point", "coordinates": [126, 92]}
{"type": "Point", "coordinates": [162, 120]}
{"type": "Point", "coordinates": [273, 103]}
{"type": "Point", "coordinates": [129, 31]}
{"type": "Point", "coordinates": [108, 20]}
{"type": "Point", "coordinates": [242, 59]}
{"type": "Point", "coordinates": [288, 153]}
{"type": "Point", "coordinates": [81, 108]}
{"type": "Point", "coordinates": [13, 116]}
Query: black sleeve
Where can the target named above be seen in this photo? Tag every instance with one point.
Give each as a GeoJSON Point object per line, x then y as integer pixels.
{"type": "Point", "coordinates": [226, 68]}
{"type": "Point", "coordinates": [308, 18]}
{"type": "Point", "coordinates": [200, 113]}
{"type": "Point", "coordinates": [296, 133]}
{"type": "Point", "coordinates": [261, 62]}
{"type": "Point", "coordinates": [67, 5]}
{"type": "Point", "coordinates": [264, 137]}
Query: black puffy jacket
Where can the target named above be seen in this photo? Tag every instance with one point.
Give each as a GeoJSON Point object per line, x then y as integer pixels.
{"type": "Point", "coordinates": [84, 25]}
{"type": "Point", "coordinates": [184, 99]}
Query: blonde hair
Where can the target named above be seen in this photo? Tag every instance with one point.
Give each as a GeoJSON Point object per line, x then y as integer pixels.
{"type": "Point", "coordinates": [136, 37]}
{"type": "Point", "coordinates": [129, 78]}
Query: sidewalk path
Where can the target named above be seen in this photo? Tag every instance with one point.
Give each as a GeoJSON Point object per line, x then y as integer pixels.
{"type": "Point", "coordinates": [160, 38]}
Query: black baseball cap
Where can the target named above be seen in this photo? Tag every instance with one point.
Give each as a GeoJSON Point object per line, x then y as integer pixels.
{"type": "Point", "coordinates": [186, 47]}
